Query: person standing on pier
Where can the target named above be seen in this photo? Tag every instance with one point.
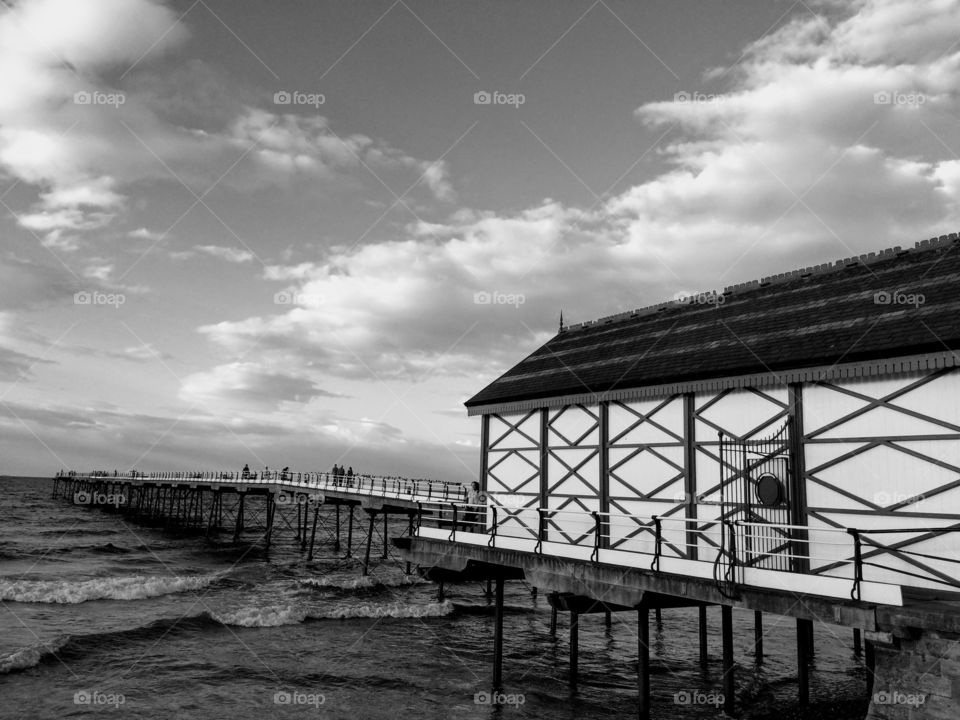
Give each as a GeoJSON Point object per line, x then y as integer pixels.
{"type": "Point", "coordinates": [475, 504]}
{"type": "Point", "coordinates": [246, 471]}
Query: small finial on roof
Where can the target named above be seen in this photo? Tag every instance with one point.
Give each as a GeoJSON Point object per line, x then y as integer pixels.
{"type": "Point", "coordinates": [562, 328]}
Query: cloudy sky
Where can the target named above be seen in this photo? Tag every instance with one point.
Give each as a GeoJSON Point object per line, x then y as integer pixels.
{"type": "Point", "coordinates": [304, 233]}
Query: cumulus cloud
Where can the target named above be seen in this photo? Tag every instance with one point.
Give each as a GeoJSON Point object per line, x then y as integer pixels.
{"type": "Point", "coordinates": [225, 253]}
{"type": "Point", "coordinates": [249, 384]}
{"type": "Point", "coordinates": [824, 146]}
{"type": "Point", "coordinates": [83, 115]}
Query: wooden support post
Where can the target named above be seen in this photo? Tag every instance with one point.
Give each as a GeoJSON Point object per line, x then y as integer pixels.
{"type": "Point", "coordinates": [607, 618]}
{"type": "Point", "coordinates": [498, 636]}
{"type": "Point", "coordinates": [857, 642]}
{"type": "Point", "coordinates": [336, 542]}
{"type": "Point", "coordinates": [313, 535]}
{"type": "Point", "coordinates": [213, 510]}
{"type": "Point", "coordinates": [386, 547]}
{"type": "Point", "coordinates": [306, 521]}
{"type": "Point", "coordinates": [350, 532]}
{"type": "Point", "coordinates": [410, 534]}
{"type": "Point", "coordinates": [553, 622]}
{"type": "Point", "coordinates": [574, 648]}
{"type": "Point", "coordinates": [803, 660]}
{"type": "Point", "coordinates": [758, 636]}
{"type": "Point", "coordinates": [870, 659]}
{"type": "Point", "coordinates": [239, 526]}
{"type": "Point", "coordinates": [726, 632]}
{"type": "Point", "coordinates": [271, 508]}
{"type": "Point", "coordinates": [366, 557]}
{"type": "Point", "coordinates": [659, 616]}
{"type": "Point", "coordinates": [299, 512]}
{"type": "Point", "coordinates": [704, 657]}
{"type": "Point", "coordinates": [643, 662]}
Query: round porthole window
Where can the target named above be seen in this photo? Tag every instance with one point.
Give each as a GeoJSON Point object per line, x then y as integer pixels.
{"type": "Point", "coordinates": [769, 490]}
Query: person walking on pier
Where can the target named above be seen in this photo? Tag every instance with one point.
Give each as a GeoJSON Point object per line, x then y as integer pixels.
{"type": "Point", "coordinates": [475, 506]}
{"type": "Point", "coordinates": [246, 471]}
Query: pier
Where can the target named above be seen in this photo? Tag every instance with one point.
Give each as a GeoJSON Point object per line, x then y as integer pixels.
{"type": "Point", "coordinates": [351, 513]}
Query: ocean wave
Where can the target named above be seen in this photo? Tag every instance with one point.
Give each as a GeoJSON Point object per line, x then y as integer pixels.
{"type": "Point", "coordinates": [273, 616]}
{"type": "Point", "coordinates": [134, 587]}
{"type": "Point", "coordinates": [358, 583]}
{"type": "Point", "coordinates": [30, 656]}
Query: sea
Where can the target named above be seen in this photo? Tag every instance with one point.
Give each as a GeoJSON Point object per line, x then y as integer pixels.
{"type": "Point", "coordinates": [103, 617]}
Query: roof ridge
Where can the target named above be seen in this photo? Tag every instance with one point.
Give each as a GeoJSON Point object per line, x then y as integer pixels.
{"type": "Point", "coordinates": [712, 297]}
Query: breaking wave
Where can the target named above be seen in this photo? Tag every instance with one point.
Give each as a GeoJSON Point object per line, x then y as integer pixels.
{"type": "Point", "coordinates": [134, 587]}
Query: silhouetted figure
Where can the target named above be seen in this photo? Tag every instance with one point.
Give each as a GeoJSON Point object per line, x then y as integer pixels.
{"type": "Point", "coordinates": [285, 473]}
{"type": "Point", "coordinates": [475, 504]}
{"type": "Point", "coordinates": [246, 472]}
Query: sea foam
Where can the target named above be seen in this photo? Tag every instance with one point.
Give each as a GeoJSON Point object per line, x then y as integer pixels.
{"type": "Point", "coordinates": [133, 587]}
{"type": "Point", "coordinates": [273, 616]}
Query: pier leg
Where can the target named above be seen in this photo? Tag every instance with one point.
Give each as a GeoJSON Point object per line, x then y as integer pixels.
{"type": "Point", "coordinates": [607, 618]}
{"type": "Point", "coordinates": [350, 532]}
{"type": "Point", "coordinates": [410, 534]}
{"type": "Point", "coordinates": [758, 637]}
{"type": "Point", "coordinates": [313, 535]}
{"type": "Point", "coordinates": [643, 662]}
{"type": "Point", "coordinates": [299, 512]}
{"type": "Point", "coordinates": [306, 521]}
{"type": "Point", "coordinates": [869, 658]}
{"type": "Point", "coordinates": [704, 657]}
{"type": "Point", "coordinates": [498, 636]}
{"type": "Point", "coordinates": [386, 547]}
{"type": "Point", "coordinates": [803, 660]}
{"type": "Point", "coordinates": [239, 526]}
{"type": "Point", "coordinates": [574, 648]}
{"type": "Point", "coordinates": [857, 642]}
{"type": "Point", "coordinates": [553, 622]}
{"type": "Point", "coordinates": [336, 543]}
{"type": "Point", "coordinates": [271, 508]}
{"type": "Point", "coordinates": [213, 510]}
{"type": "Point", "coordinates": [658, 614]}
{"type": "Point", "coordinates": [366, 557]}
{"type": "Point", "coordinates": [726, 631]}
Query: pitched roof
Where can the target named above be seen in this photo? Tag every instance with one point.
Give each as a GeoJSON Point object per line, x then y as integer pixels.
{"type": "Point", "coordinates": [882, 305]}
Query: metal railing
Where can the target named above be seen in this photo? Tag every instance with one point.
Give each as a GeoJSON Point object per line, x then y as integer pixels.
{"type": "Point", "coordinates": [371, 485]}
{"type": "Point", "coordinates": [731, 546]}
